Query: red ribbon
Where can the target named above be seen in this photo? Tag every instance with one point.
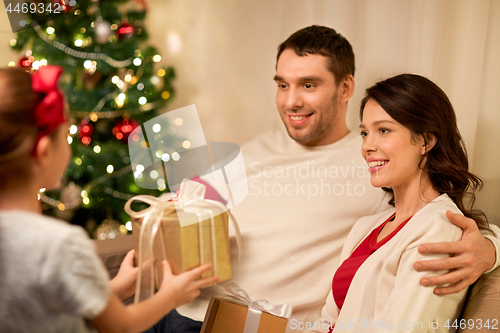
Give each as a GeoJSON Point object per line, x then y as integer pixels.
{"type": "Point", "coordinates": [49, 113]}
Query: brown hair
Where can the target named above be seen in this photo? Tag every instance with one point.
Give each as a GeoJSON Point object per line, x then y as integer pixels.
{"type": "Point", "coordinates": [326, 42]}
{"type": "Point", "coordinates": [421, 106]}
{"type": "Point", "coordinates": [17, 120]}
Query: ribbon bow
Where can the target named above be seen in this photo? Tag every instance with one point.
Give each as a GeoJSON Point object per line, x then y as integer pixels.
{"type": "Point", "coordinates": [255, 308]}
{"type": "Point", "coordinates": [49, 113]}
{"type": "Point", "coordinates": [188, 196]}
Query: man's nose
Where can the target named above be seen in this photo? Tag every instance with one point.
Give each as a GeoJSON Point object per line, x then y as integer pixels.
{"type": "Point", "coordinates": [294, 99]}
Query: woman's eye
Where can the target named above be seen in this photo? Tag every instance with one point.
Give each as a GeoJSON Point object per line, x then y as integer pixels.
{"type": "Point", "coordinates": [384, 130]}
{"type": "Point", "coordinates": [363, 134]}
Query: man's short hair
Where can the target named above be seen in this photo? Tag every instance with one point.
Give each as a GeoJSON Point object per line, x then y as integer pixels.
{"type": "Point", "coordinates": [326, 42]}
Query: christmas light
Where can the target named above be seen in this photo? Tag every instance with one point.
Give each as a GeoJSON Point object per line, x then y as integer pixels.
{"type": "Point", "coordinates": [120, 84]}
{"type": "Point", "coordinates": [73, 129]}
{"type": "Point", "coordinates": [115, 79]}
{"type": "Point", "coordinates": [13, 42]}
{"type": "Point", "coordinates": [82, 30]}
{"type": "Point", "coordinates": [179, 121]}
{"type": "Point", "coordinates": [87, 64]}
{"type": "Point", "coordinates": [78, 42]}
{"type": "Point", "coordinates": [12, 64]}
{"type": "Point", "coordinates": [114, 27]}
{"type": "Point", "coordinates": [43, 190]}
{"type": "Point", "coordinates": [84, 194]}
{"type": "Point", "coordinates": [161, 184]}
{"type": "Point", "coordinates": [140, 86]}
{"type": "Point", "coordinates": [137, 62]}
{"type": "Point", "coordinates": [128, 78]}
{"type": "Point", "coordinates": [122, 97]}
{"type": "Point", "coordinates": [165, 157]}
{"type": "Point", "coordinates": [139, 167]}
{"type": "Point", "coordinates": [165, 95]}
{"type": "Point", "coordinates": [97, 149]}
{"type": "Point", "coordinates": [78, 161]}
{"type": "Point", "coordinates": [186, 144]}
{"type": "Point", "coordinates": [93, 117]}
{"type": "Point", "coordinates": [138, 175]}
{"type": "Point", "coordinates": [161, 72]}
{"type": "Point", "coordinates": [157, 58]}
{"type": "Point", "coordinates": [128, 225]}
{"type": "Point", "coordinates": [176, 156]}
{"type": "Point", "coordinates": [35, 64]}
{"type": "Point", "coordinates": [159, 153]}
{"type": "Point", "coordinates": [70, 140]}
{"type": "Point", "coordinates": [155, 80]}
{"type": "Point", "coordinates": [43, 62]}
{"type": "Point", "coordinates": [86, 201]}
{"type": "Point", "coordinates": [110, 169]}
{"type": "Point", "coordinates": [156, 128]}
{"type": "Point", "coordinates": [143, 100]}
{"type": "Point", "coordinates": [153, 174]}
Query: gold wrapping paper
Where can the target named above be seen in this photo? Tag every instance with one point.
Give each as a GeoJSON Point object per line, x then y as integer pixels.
{"type": "Point", "coordinates": [187, 247]}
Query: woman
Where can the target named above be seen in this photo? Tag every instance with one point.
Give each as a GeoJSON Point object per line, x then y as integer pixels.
{"type": "Point", "coordinates": [413, 149]}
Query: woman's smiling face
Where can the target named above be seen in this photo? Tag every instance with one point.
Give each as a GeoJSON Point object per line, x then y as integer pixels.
{"type": "Point", "coordinates": [393, 154]}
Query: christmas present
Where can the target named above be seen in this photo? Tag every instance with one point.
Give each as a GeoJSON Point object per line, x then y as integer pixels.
{"type": "Point", "coordinates": [186, 229]}
{"type": "Point", "coordinates": [237, 313]}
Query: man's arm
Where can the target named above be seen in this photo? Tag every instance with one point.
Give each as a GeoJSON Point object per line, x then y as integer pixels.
{"type": "Point", "coordinates": [472, 256]}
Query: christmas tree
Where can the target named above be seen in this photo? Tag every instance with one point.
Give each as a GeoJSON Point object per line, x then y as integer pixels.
{"type": "Point", "coordinates": [113, 83]}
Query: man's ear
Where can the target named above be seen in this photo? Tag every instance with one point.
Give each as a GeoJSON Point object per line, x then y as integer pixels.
{"type": "Point", "coordinates": [346, 88]}
{"type": "Point", "coordinates": [429, 142]}
{"type": "Point", "coordinates": [43, 150]}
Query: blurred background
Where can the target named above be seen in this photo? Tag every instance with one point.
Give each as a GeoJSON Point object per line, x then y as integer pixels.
{"type": "Point", "coordinates": [221, 56]}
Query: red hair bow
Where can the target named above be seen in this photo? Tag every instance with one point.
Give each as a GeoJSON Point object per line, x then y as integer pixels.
{"type": "Point", "coordinates": [49, 113]}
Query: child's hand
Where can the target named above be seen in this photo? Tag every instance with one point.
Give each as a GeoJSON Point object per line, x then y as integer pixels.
{"type": "Point", "coordinates": [183, 288]}
{"type": "Point", "coordinates": [123, 284]}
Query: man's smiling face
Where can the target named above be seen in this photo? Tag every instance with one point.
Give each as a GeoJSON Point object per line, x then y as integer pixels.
{"type": "Point", "coordinates": [307, 98]}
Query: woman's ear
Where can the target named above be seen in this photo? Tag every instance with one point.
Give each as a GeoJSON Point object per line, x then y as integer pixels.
{"type": "Point", "coordinates": [429, 142]}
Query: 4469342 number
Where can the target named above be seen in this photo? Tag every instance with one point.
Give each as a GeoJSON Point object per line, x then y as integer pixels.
{"type": "Point", "coordinates": [33, 8]}
{"type": "Point", "coordinates": [472, 324]}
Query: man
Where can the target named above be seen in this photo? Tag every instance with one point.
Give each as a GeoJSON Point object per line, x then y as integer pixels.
{"type": "Point", "coordinates": [308, 188]}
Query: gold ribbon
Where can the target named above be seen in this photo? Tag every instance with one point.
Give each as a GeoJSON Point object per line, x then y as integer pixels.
{"type": "Point", "coordinates": [190, 198]}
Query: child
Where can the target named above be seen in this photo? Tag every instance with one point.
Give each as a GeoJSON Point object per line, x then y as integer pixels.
{"type": "Point", "coordinates": [51, 279]}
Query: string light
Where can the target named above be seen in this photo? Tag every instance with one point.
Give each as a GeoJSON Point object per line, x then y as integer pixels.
{"type": "Point", "coordinates": [156, 128]}
{"type": "Point", "coordinates": [82, 55]}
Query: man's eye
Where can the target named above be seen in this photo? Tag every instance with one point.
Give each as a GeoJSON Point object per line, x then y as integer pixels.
{"type": "Point", "coordinates": [281, 85]}
{"type": "Point", "coordinates": [308, 85]}
{"type": "Point", "coordinates": [363, 134]}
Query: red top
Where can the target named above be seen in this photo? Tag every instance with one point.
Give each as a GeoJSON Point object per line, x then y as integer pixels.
{"type": "Point", "coordinates": [345, 273]}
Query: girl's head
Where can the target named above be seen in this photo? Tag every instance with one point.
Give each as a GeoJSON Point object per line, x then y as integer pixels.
{"type": "Point", "coordinates": [419, 117]}
{"type": "Point", "coordinates": [32, 127]}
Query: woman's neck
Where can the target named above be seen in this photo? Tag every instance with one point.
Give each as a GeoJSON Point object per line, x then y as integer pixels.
{"type": "Point", "coordinates": [20, 198]}
{"type": "Point", "coordinates": [412, 197]}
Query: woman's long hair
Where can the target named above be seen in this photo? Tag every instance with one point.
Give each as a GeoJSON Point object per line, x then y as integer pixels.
{"type": "Point", "coordinates": [421, 106]}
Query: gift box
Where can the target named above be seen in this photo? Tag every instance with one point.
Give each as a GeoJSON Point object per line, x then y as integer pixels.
{"type": "Point", "coordinates": [187, 230]}
{"type": "Point", "coordinates": [237, 313]}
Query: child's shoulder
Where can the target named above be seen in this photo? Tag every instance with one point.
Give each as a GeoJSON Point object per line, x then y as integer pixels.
{"type": "Point", "coordinates": [34, 227]}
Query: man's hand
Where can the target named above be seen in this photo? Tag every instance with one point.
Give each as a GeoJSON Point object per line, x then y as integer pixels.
{"type": "Point", "coordinates": [471, 257]}
{"type": "Point", "coordinates": [123, 284]}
